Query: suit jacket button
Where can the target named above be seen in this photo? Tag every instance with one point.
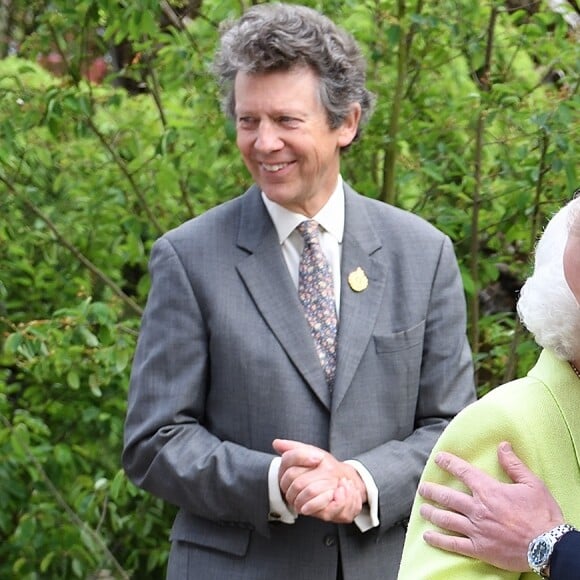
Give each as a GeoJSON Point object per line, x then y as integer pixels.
{"type": "Point", "coordinates": [329, 541]}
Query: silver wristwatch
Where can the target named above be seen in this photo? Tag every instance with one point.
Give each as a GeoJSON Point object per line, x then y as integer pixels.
{"type": "Point", "coordinates": [541, 548]}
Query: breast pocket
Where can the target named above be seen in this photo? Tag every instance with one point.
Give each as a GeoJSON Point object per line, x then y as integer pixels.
{"type": "Point", "coordinates": [398, 359]}
{"type": "Point", "coordinates": [402, 340]}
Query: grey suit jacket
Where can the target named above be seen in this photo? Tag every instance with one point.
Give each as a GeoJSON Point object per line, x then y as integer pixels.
{"type": "Point", "coordinates": [225, 363]}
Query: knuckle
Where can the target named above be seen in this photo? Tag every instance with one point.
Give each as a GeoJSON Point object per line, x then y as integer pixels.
{"type": "Point", "coordinates": [443, 518]}
{"type": "Point", "coordinates": [443, 496]}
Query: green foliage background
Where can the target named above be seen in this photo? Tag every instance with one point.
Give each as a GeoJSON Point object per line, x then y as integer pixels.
{"type": "Point", "coordinates": [465, 134]}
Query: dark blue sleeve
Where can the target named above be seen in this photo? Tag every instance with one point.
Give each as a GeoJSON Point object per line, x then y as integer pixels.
{"type": "Point", "coordinates": [565, 561]}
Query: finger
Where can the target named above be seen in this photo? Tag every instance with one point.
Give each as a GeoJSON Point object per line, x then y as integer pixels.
{"type": "Point", "coordinates": [344, 506]}
{"type": "Point", "coordinates": [347, 502]}
{"type": "Point", "coordinates": [283, 445]}
{"type": "Point", "coordinates": [449, 543]}
{"type": "Point", "coordinates": [298, 453]}
{"type": "Point", "coordinates": [309, 483]}
{"type": "Point", "coordinates": [446, 497]}
{"type": "Point", "coordinates": [288, 476]}
{"type": "Point", "coordinates": [298, 459]}
{"type": "Point", "coordinates": [349, 495]}
{"type": "Point", "coordinates": [468, 474]}
{"type": "Point", "coordinates": [445, 519]}
{"type": "Point", "coordinates": [293, 465]}
{"type": "Point", "coordinates": [514, 466]}
{"type": "Point", "coordinates": [333, 512]}
{"type": "Point", "coordinates": [341, 514]}
{"type": "Point", "coordinates": [306, 488]}
{"type": "Point", "coordinates": [321, 468]}
{"type": "Point", "coordinates": [317, 503]}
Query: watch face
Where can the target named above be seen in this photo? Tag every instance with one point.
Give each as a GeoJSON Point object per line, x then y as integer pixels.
{"type": "Point", "coordinates": [540, 552]}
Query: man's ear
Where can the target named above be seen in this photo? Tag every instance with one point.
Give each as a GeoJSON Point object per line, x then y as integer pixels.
{"type": "Point", "coordinates": [347, 131]}
{"type": "Point", "coordinates": [572, 251]}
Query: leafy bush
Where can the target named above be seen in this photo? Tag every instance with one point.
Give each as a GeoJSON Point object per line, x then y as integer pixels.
{"type": "Point", "coordinates": [466, 133]}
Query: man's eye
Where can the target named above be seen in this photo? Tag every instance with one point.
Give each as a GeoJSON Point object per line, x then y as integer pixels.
{"type": "Point", "coordinates": [246, 122]}
{"type": "Point", "coordinates": [291, 121]}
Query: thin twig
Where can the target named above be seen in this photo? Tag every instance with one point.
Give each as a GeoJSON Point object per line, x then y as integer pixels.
{"type": "Point", "coordinates": [123, 167]}
{"type": "Point", "coordinates": [77, 521]}
{"type": "Point", "coordinates": [485, 84]}
{"type": "Point", "coordinates": [74, 250]}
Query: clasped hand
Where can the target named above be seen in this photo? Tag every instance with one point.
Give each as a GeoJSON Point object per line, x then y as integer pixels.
{"type": "Point", "coordinates": [316, 484]}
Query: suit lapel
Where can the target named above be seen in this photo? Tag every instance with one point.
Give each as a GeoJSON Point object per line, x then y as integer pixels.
{"type": "Point", "coordinates": [358, 310]}
{"type": "Point", "coordinates": [268, 281]}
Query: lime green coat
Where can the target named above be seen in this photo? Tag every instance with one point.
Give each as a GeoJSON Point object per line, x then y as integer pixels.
{"type": "Point", "coordinates": [540, 416]}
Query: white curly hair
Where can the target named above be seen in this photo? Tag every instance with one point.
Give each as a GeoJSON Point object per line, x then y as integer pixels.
{"type": "Point", "coordinates": [547, 306]}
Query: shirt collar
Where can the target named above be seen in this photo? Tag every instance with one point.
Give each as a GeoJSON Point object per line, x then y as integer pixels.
{"type": "Point", "coordinates": [330, 217]}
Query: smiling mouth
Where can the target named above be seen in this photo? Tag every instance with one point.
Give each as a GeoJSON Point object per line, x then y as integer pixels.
{"type": "Point", "coordinates": [274, 167]}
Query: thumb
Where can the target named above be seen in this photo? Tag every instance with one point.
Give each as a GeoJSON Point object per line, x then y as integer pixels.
{"type": "Point", "coordinates": [517, 470]}
{"type": "Point", "coordinates": [283, 445]}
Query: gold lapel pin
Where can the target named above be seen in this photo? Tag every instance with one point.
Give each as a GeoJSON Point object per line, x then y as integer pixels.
{"type": "Point", "coordinates": [358, 280]}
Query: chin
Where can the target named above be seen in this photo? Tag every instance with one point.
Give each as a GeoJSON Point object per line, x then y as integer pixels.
{"type": "Point", "coordinates": [280, 195]}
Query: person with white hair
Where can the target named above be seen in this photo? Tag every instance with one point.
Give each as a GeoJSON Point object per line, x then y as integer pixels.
{"type": "Point", "coordinates": [514, 518]}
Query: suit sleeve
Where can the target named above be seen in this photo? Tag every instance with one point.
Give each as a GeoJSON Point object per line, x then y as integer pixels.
{"type": "Point", "coordinates": [565, 562]}
{"type": "Point", "coordinates": [445, 386]}
{"type": "Point", "coordinates": [168, 450]}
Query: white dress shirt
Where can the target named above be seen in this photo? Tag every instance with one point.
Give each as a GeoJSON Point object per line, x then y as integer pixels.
{"type": "Point", "coordinates": [331, 220]}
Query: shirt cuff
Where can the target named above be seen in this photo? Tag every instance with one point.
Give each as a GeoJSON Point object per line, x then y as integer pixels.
{"type": "Point", "coordinates": [279, 511]}
{"type": "Point", "coordinates": [369, 516]}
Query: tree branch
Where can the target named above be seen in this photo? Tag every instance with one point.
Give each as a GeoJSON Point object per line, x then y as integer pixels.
{"type": "Point", "coordinates": [127, 300]}
{"type": "Point", "coordinates": [477, 193]}
{"type": "Point", "coordinates": [72, 515]}
{"type": "Point", "coordinates": [123, 167]}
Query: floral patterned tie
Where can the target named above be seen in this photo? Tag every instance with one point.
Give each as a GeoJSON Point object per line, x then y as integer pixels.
{"type": "Point", "coordinates": [316, 293]}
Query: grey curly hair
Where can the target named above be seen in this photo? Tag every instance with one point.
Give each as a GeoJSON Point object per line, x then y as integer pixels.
{"type": "Point", "coordinates": [279, 37]}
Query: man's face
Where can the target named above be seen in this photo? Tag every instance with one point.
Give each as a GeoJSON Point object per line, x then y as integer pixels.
{"type": "Point", "coordinates": [285, 139]}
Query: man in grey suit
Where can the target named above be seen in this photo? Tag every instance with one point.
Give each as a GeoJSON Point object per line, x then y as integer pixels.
{"type": "Point", "coordinates": [284, 469]}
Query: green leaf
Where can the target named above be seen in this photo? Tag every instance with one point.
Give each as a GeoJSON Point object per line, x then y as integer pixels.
{"type": "Point", "coordinates": [46, 562]}
{"type": "Point", "coordinates": [571, 178]}
{"type": "Point", "coordinates": [20, 440]}
{"type": "Point", "coordinates": [73, 380]}
{"type": "Point", "coordinates": [88, 337]}
{"type": "Point", "coordinates": [94, 385]}
{"type": "Point", "coordinates": [117, 484]}
{"type": "Point", "coordinates": [13, 343]}
{"type": "Point", "coordinates": [77, 566]}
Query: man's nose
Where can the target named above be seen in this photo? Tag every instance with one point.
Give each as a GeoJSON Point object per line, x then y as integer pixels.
{"type": "Point", "coordinates": [268, 138]}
